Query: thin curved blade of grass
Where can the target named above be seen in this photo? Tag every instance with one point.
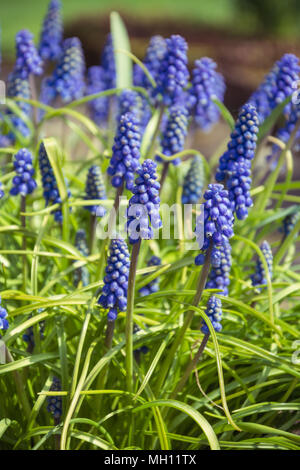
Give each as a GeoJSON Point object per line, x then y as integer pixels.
{"type": "Point", "coordinates": [195, 415]}
{"type": "Point", "coordinates": [121, 41]}
{"type": "Point", "coordinates": [26, 362]}
{"type": "Point", "coordinates": [226, 114]}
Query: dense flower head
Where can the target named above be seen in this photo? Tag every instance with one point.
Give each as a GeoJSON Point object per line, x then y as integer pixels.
{"type": "Point", "coordinates": [18, 87]}
{"type": "Point", "coordinates": [55, 402]}
{"type": "Point", "coordinates": [28, 336]}
{"type": "Point", "coordinates": [152, 286]}
{"type": "Point", "coordinates": [215, 226]}
{"type": "Point", "coordinates": [23, 182]}
{"type": "Point", "coordinates": [207, 84]}
{"type": "Point", "coordinates": [221, 261]}
{"type": "Point", "coordinates": [81, 275]}
{"type": "Point", "coordinates": [1, 190]}
{"type": "Point", "coordinates": [108, 63]}
{"type": "Point", "coordinates": [235, 163]}
{"type": "Point", "coordinates": [155, 53]}
{"type": "Point", "coordinates": [95, 189]}
{"type": "Point", "coordinates": [132, 102]}
{"type": "Point", "coordinates": [260, 277]}
{"type": "Point", "coordinates": [143, 211]}
{"type": "Point", "coordinates": [68, 76]}
{"type": "Point", "coordinates": [114, 293]}
{"type": "Point", "coordinates": [289, 222]}
{"type": "Point", "coordinates": [51, 192]}
{"type": "Point", "coordinates": [126, 152]}
{"type": "Point", "coordinates": [3, 318]}
{"type": "Point", "coordinates": [174, 134]}
{"type": "Point", "coordinates": [50, 47]}
{"type": "Point", "coordinates": [214, 313]}
{"type": "Point", "coordinates": [193, 182]}
{"type": "Point", "coordinates": [284, 133]}
{"type": "Point", "coordinates": [27, 59]}
{"type": "Point", "coordinates": [98, 107]}
{"type": "Point", "coordinates": [278, 84]}
{"type": "Point", "coordinates": [173, 74]}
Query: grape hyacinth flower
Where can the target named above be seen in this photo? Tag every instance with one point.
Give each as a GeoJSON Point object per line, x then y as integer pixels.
{"type": "Point", "coordinates": [1, 190]}
{"type": "Point", "coordinates": [28, 337]}
{"type": "Point", "coordinates": [290, 222]}
{"type": "Point", "coordinates": [173, 74]}
{"type": "Point", "coordinates": [50, 47]}
{"type": "Point", "coordinates": [3, 318]}
{"type": "Point", "coordinates": [217, 226]}
{"type": "Point", "coordinates": [98, 107]}
{"type": "Point", "coordinates": [221, 261]}
{"type": "Point", "coordinates": [95, 189]}
{"type": "Point", "coordinates": [126, 152]}
{"type": "Point", "coordinates": [277, 86]}
{"type": "Point", "coordinates": [114, 293]}
{"type": "Point", "coordinates": [153, 286]}
{"type": "Point", "coordinates": [207, 84]}
{"type": "Point", "coordinates": [68, 76]}
{"type": "Point", "coordinates": [175, 132]}
{"type": "Point", "coordinates": [55, 402]}
{"type": "Point", "coordinates": [214, 313]}
{"type": "Point", "coordinates": [235, 163]}
{"type": "Point", "coordinates": [260, 277]}
{"type": "Point", "coordinates": [27, 59]}
{"type": "Point", "coordinates": [81, 275]}
{"type": "Point", "coordinates": [51, 192]}
{"type": "Point", "coordinates": [144, 204]}
{"type": "Point", "coordinates": [155, 53]}
{"type": "Point", "coordinates": [130, 102]}
{"type": "Point", "coordinates": [18, 87]}
{"type": "Point", "coordinates": [193, 182]}
{"type": "Point", "coordinates": [23, 182]}
{"type": "Point", "coordinates": [108, 63]}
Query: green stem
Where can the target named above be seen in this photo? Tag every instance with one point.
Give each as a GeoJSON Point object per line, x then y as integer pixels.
{"type": "Point", "coordinates": [21, 389]}
{"type": "Point", "coordinates": [152, 147]}
{"type": "Point", "coordinates": [129, 315]}
{"type": "Point", "coordinates": [190, 368]}
{"type": "Point", "coordinates": [187, 322]}
{"type": "Point", "coordinates": [24, 242]}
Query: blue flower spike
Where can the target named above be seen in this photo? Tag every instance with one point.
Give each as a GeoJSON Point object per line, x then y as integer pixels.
{"type": "Point", "coordinates": [95, 189]}
{"type": "Point", "coordinates": [51, 38]}
{"type": "Point", "coordinates": [153, 286]}
{"type": "Point", "coordinates": [23, 182]}
{"type": "Point", "coordinates": [143, 211]}
{"type": "Point", "coordinates": [28, 61]}
{"type": "Point", "coordinates": [260, 276]}
{"type": "Point", "coordinates": [214, 313]}
{"type": "Point", "coordinates": [3, 317]}
{"type": "Point", "coordinates": [114, 292]}
{"type": "Point", "coordinates": [81, 275]}
{"type": "Point", "coordinates": [194, 181]}
{"type": "Point", "coordinates": [55, 402]}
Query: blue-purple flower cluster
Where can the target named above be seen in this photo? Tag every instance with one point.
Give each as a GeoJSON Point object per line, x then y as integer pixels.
{"type": "Point", "coordinates": [279, 84]}
{"type": "Point", "coordinates": [216, 226]}
{"type": "Point", "coordinates": [260, 276]}
{"type": "Point", "coordinates": [28, 60]}
{"type": "Point", "coordinates": [3, 317]}
{"type": "Point", "coordinates": [68, 79]}
{"type": "Point", "coordinates": [126, 152]}
{"type": "Point", "coordinates": [81, 275]}
{"type": "Point", "coordinates": [95, 189]}
{"type": "Point", "coordinates": [51, 192]}
{"type": "Point", "coordinates": [50, 47]}
{"type": "Point", "coordinates": [221, 261]}
{"type": "Point", "coordinates": [193, 182]}
{"type": "Point", "coordinates": [174, 133]}
{"type": "Point", "coordinates": [143, 211]}
{"type": "Point", "coordinates": [98, 107]}
{"type": "Point", "coordinates": [23, 182]}
{"type": "Point", "coordinates": [207, 84]}
{"type": "Point", "coordinates": [290, 222]}
{"type": "Point", "coordinates": [154, 55]}
{"type": "Point", "coordinates": [108, 63]}
{"type": "Point", "coordinates": [28, 337]}
{"type": "Point", "coordinates": [173, 75]}
{"type": "Point", "coordinates": [55, 402]}
{"type": "Point", "coordinates": [18, 87]}
{"type": "Point", "coordinates": [214, 313]}
{"type": "Point", "coordinates": [235, 163]}
{"type": "Point", "coordinates": [152, 286]}
{"type": "Point", "coordinates": [114, 293]}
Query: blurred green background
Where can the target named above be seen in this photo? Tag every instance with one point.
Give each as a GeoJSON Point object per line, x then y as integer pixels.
{"type": "Point", "coordinates": [241, 17]}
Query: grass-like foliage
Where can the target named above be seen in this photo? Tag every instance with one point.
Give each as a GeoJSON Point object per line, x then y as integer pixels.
{"type": "Point", "coordinates": [71, 379]}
